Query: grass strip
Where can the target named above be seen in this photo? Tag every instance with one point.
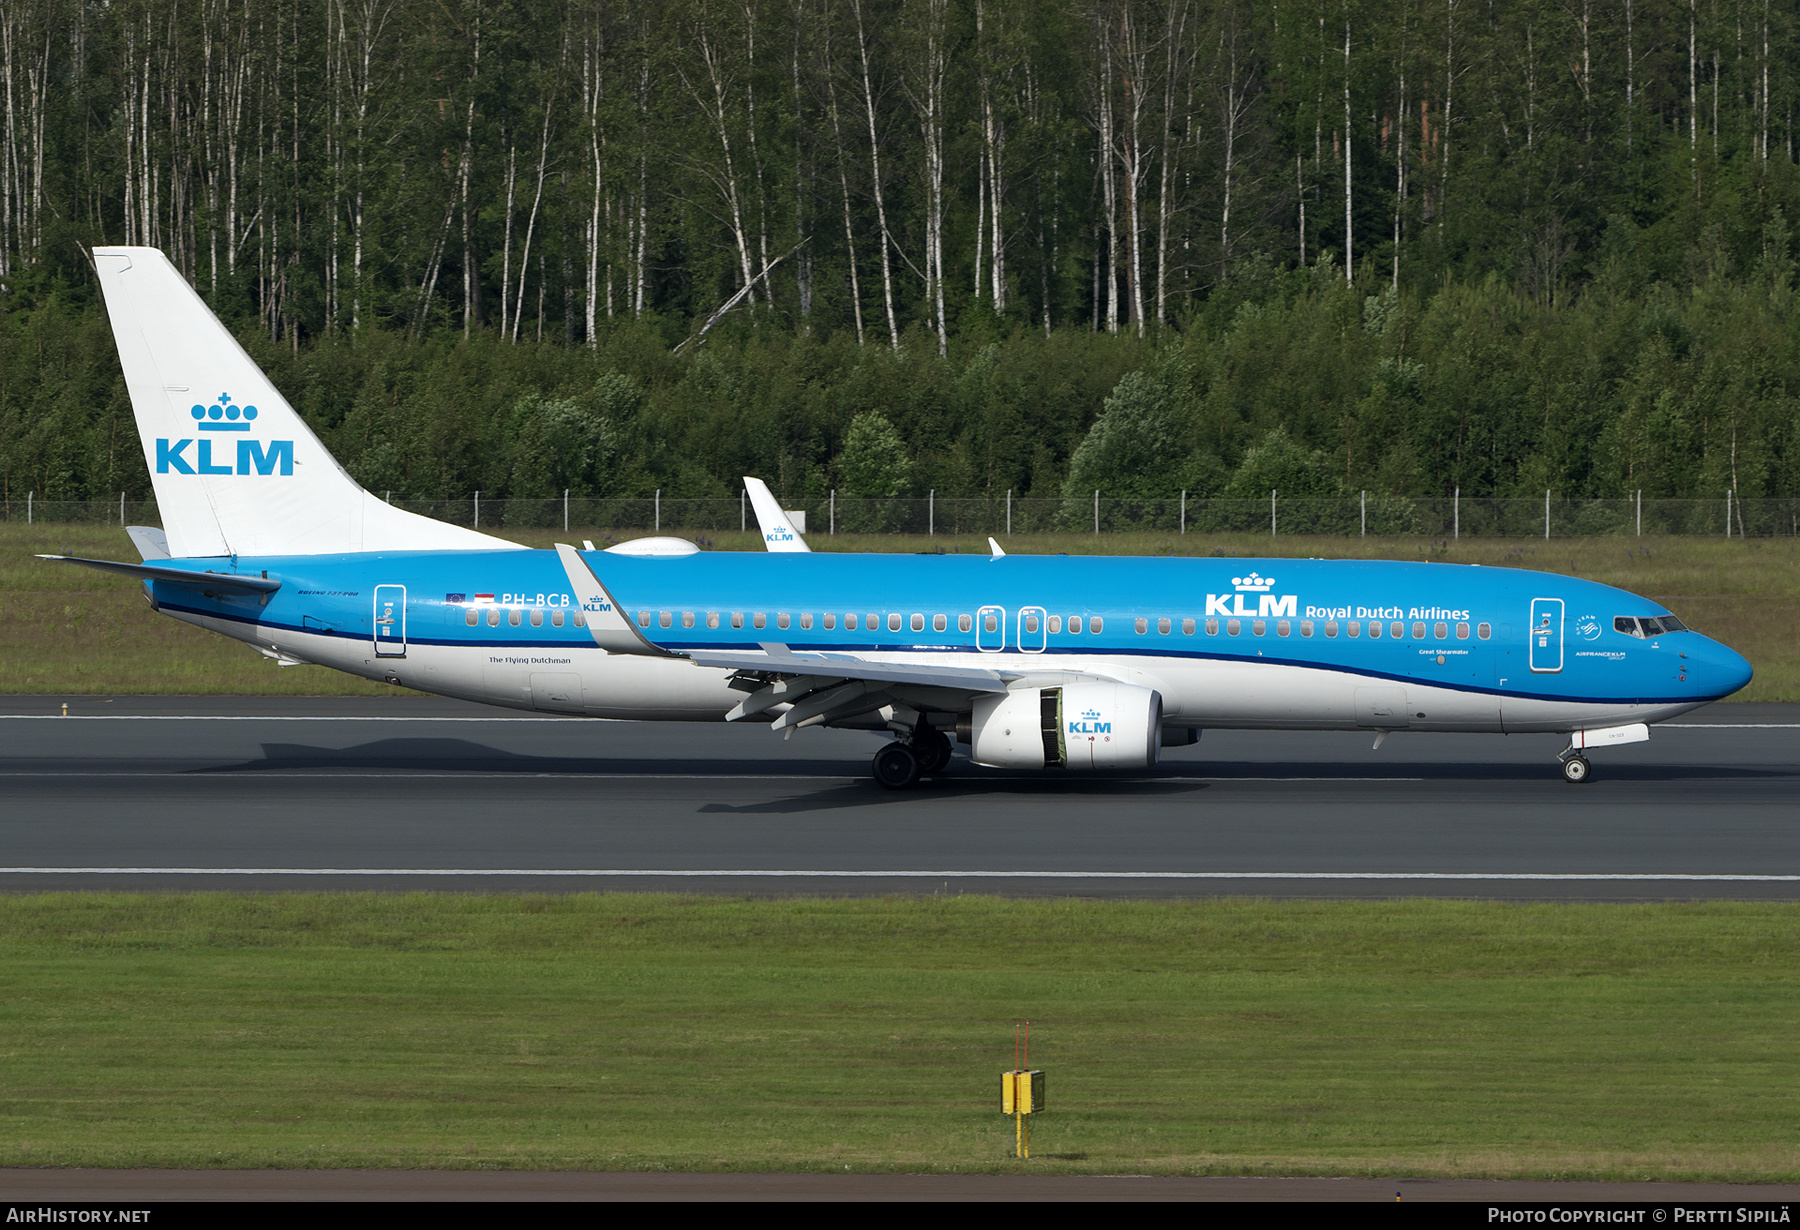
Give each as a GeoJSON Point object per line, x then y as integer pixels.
{"type": "Point", "coordinates": [74, 631]}
{"type": "Point", "coordinates": [641, 1031]}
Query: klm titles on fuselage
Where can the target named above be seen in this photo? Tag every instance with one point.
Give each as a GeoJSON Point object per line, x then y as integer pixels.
{"type": "Point", "coordinates": [223, 416]}
{"type": "Point", "coordinates": [1280, 606]}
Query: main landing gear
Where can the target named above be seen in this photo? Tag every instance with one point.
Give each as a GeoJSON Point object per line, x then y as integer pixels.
{"type": "Point", "coordinates": [900, 765]}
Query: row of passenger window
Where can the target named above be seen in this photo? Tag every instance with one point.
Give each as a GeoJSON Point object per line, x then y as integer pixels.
{"type": "Point", "coordinates": [1352, 628]}
{"type": "Point", "coordinates": [853, 621]}
{"type": "Point", "coordinates": [1093, 624]}
{"type": "Point", "coordinates": [515, 617]}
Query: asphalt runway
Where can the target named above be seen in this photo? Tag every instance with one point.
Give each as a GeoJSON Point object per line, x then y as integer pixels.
{"type": "Point", "coordinates": [407, 793]}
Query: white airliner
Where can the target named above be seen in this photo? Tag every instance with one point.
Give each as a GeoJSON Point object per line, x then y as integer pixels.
{"type": "Point", "coordinates": [1033, 662]}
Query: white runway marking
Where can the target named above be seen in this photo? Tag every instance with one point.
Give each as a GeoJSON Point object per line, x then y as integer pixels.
{"type": "Point", "coordinates": [678, 873]}
{"type": "Point", "coordinates": [208, 717]}
{"type": "Point", "coordinates": [202, 717]}
{"type": "Point", "coordinates": [241, 774]}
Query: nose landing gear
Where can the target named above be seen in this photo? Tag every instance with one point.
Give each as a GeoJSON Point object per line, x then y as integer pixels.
{"type": "Point", "coordinates": [1575, 768]}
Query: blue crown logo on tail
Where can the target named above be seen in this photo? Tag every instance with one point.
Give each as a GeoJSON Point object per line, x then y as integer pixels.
{"type": "Point", "coordinates": [223, 416]}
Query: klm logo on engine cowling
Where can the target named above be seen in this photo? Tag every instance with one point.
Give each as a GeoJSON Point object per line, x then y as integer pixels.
{"type": "Point", "coordinates": [1089, 723]}
{"type": "Point", "coordinates": [1268, 605]}
{"type": "Point", "coordinates": [223, 416]}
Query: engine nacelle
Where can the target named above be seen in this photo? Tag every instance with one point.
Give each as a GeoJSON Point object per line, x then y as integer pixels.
{"type": "Point", "coordinates": [1079, 726]}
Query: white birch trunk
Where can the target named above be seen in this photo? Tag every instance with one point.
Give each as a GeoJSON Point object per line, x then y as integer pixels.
{"type": "Point", "coordinates": [713, 103]}
{"type": "Point", "coordinates": [1108, 187]}
{"type": "Point", "coordinates": [926, 91]}
{"type": "Point", "coordinates": [512, 162]}
{"type": "Point", "coordinates": [837, 135]}
{"type": "Point", "coordinates": [887, 238]}
{"type": "Point", "coordinates": [1349, 221]}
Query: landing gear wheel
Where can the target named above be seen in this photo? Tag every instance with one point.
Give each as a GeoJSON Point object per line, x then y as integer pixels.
{"type": "Point", "coordinates": [896, 768]}
{"type": "Point", "coordinates": [1576, 770]}
{"type": "Point", "coordinates": [933, 753]}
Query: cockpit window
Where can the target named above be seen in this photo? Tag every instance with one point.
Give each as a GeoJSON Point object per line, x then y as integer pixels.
{"type": "Point", "coordinates": [1647, 626]}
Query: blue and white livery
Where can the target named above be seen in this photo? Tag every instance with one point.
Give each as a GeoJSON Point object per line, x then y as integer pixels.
{"type": "Point", "coordinates": [1030, 661]}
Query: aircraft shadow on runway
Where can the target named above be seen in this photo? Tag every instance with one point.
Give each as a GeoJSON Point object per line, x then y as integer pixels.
{"type": "Point", "coordinates": [427, 755]}
{"type": "Point", "coordinates": [467, 756]}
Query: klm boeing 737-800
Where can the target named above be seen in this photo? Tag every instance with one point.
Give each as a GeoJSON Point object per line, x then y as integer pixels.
{"type": "Point", "coordinates": [1033, 662]}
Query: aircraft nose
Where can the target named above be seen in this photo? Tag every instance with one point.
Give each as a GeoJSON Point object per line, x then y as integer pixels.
{"type": "Point", "coordinates": [1723, 669]}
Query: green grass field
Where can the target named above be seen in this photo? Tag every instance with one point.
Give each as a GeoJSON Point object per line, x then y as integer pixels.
{"type": "Point", "coordinates": [624, 1031]}
{"type": "Point", "coordinates": [72, 630]}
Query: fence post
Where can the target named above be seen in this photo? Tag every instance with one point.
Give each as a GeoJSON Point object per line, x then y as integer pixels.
{"type": "Point", "coordinates": [1546, 515]}
{"type": "Point", "coordinates": [1728, 512]}
{"type": "Point", "coordinates": [1640, 512]}
{"type": "Point", "coordinates": [1096, 513]}
{"type": "Point", "coordinates": [121, 508]}
{"type": "Point", "coordinates": [743, 516]}
{"type": "Point", "coordinates": [1184, 510]}
{"type": "Point", "coordinates": [832, 533]}
{"type": "Point", "coordinates": [658, 506]}
{"type": "Point", "coordinates": [931, 513]}
{"type": "Point", "coordinates": [477, 508]}
{"type": "Point", "coordinates": [1456, 514]}
{"type": "Point", "coordinates": [1365, 514]}
{"type": "Point", "coordinates": [1271, 512]}
{"type": "Point", "coordinates": [1009, 512]}
{"type": "Point", "coordinates": [565, 510]}
{"type": "Point", "coordinates": [31, 495]}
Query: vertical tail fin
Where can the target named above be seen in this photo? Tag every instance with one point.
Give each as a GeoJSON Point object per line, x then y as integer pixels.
{"type": "Point", "coordinates": [236, 470]}
{"type": "Point", "coordinates": [778, 529]}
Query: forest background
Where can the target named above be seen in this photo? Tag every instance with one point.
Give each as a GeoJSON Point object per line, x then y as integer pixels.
{"type": "Point", "coordinates": [886, 246]}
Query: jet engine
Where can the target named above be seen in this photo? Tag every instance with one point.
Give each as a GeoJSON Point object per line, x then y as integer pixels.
{"type": "Point", "coordinates": [1094, 725]}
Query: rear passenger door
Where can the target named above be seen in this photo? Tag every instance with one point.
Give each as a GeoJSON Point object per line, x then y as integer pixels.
{"type": "Point", "coordinates": [390, 621]}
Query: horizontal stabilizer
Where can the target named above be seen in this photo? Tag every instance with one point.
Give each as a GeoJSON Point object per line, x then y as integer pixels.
{"type": "Point", "coordinates": [211, 582]}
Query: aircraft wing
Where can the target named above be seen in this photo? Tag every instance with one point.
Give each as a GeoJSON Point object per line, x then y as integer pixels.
{"type": "Point", "coordinates": [210, 582]}
{"type": "Point", "coordinates": [820, 688]}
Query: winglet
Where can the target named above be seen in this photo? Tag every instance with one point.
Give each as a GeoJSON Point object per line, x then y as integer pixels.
{"type": "Point", "coordinates": [995, 548]}
{"type": "Point", "coordinates": [606, 622]}
{"type": "Point", "coordinates": [778, 531]}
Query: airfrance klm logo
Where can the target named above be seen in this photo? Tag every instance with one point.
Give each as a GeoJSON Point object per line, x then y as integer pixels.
{"type": "Point", "coordinates": [223, 416]}
{"type": "Point", "coordinates": [1267, 604]}
{"type": "Point", "coordinates": [1089, 723]}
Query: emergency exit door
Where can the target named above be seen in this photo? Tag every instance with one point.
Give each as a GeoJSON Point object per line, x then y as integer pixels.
{"type": "Point", "coordinates": [1546, 635]}
{"type": "Point", "coordinates": [390, 621]}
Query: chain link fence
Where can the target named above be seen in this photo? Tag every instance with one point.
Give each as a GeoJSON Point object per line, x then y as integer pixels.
{"type": "Point", "coordinates": [1367, 515]}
